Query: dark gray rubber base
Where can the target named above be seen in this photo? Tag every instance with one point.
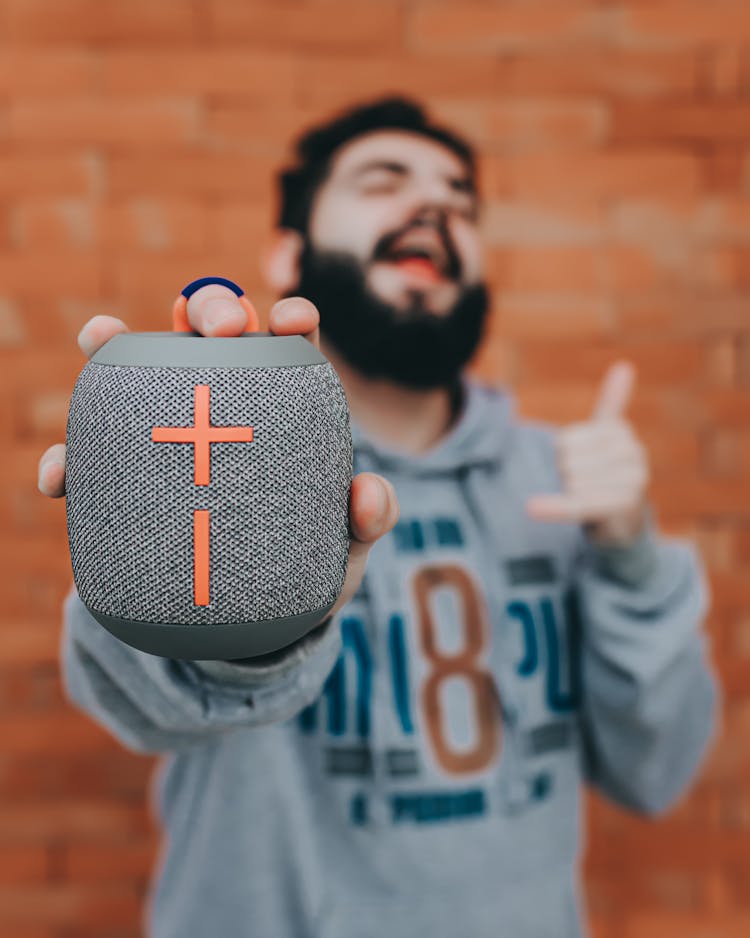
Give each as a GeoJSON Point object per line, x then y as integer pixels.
{"type": "Point", "coordinates": [221, 642]}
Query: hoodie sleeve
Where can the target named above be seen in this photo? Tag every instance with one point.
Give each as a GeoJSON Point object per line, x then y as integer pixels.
{"type": "Point", "coordinates": [153, 704]}
{"type": "Point", "coordinates": [650, 700]}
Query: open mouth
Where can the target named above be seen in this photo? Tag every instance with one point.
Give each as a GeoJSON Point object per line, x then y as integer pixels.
{"type": "Point", "coordinates": [422, 254]}
{"type": "Point", "coordinates": [419, 263]}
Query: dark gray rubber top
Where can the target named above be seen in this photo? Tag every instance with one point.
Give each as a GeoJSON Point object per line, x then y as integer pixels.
{"type": "Point", "coordinates": [188, 350]}
{"type": "Point", "coordinates": [218, 642]}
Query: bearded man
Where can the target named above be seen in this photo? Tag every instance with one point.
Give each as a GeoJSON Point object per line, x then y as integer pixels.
{"type": "Point", "coordinates": [414, 765]}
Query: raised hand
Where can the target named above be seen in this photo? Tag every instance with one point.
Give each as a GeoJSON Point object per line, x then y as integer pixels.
{"type": "Point", "coordinates": [604, 468]}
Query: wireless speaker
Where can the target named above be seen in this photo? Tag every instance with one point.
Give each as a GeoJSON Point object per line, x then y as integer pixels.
{"type": "Point", "coordinates": [207, 487]}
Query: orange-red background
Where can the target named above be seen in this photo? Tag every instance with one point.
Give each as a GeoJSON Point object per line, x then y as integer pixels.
{"type": "Point", "coordinates": [137, 144]}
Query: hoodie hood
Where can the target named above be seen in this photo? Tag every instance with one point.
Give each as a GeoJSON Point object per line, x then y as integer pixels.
{"type": "Point", "coordinates": [467, 444]}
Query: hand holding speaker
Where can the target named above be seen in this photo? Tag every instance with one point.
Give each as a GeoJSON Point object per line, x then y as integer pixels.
{"type": "Point", "coordinates": [214, 311]}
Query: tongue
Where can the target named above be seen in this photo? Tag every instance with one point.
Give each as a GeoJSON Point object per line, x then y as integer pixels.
{"type": "Point", "coordinates": [421, 267]}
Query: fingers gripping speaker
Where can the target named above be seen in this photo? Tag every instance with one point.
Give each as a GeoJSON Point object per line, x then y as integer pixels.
{"type": "Point", "coordinates": [207, 484]}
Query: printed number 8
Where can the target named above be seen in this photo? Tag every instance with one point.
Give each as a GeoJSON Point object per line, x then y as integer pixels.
{"type": "Point", "coordinates": [465, 664]}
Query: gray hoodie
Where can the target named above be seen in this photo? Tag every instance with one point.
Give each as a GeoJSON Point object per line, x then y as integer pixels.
{"type": "Point", "coordinates": [415, 765]}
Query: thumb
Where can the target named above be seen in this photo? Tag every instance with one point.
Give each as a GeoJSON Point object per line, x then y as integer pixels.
{"type": "Point", "coordinates": [615, 391]}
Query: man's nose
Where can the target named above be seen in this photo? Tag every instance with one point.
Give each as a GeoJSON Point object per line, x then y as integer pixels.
{"type": "Point", "coordinates": [431, 195]}
{"type": "Point", "coordinates": [432, 214]}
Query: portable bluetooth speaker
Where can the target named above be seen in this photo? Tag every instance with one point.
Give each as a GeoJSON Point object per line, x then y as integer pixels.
{"type": "Point", "coordinates": [207, 484]}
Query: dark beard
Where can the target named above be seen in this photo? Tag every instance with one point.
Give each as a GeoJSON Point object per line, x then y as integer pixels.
{"type": "Point", "coordinates": [411, 347]}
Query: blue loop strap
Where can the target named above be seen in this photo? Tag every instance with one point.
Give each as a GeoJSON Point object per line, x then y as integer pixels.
{"type": "Point", "coordinates": [191, 288]}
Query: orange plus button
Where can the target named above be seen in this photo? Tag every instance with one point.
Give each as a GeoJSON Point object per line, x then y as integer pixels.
{"type": "Point", "coordinates": [202, 434]}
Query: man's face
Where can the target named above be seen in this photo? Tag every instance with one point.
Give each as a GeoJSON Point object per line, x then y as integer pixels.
{"type": "Point", "coordinates": [401, 205]}
{"type": "Point", "coordinates": [392, 260]}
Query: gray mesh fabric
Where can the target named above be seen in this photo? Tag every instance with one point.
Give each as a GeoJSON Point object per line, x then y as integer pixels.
{"type": "Point", "coordinates": [279, 504]}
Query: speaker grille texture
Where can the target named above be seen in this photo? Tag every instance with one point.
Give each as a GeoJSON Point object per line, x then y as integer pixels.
{"type": "Point", "coordinates": [278, 505]}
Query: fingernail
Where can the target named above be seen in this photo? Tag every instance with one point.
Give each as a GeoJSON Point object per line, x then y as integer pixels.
{"type": "Point", "coordinates": [283, 315]}
{"type": "Point", "coordinates": [220, 313]}
{"type": "Point", "coordinates": [214, 317]}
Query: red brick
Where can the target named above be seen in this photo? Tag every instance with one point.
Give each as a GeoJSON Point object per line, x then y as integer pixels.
{"type": "Point", "coordinates": [622, 73]}
{"type": "Point", "coordinates": [522, 125]}
{"type": "Point", "coordinates": [717, 122]}
{"type": "Point", "coordinates": [13, 331]}
{"type": "Point", "coordinates": [204, 175]}
{"type": "Point", "coordinates": [51, 73]}
{"type": "Point", "coordinates": [57, 733]}
{"type": "Point", "coordinates": [250, 127]}
{"type": "Point", "coordinates": [229, 72]}
{"type": "Point", "coordinates": [701, 497]}
{"type": "Point", "coordinates": [670, 449]}
{"type": "Point", "coordinates": [23, 864]}
{"type": "Point", "coordinates": [570, 361]}
{"type": "Point", "coordinates": [448, 76]}
{"type": "Point", "coordinates": [37, 584]}
{"type": "Point", "coordinates": [100, 21]}
{"type": "Point", "coordinates": [36, 931]}
{"type": "Point", "coordinates": [550, 316]}
{"type": "Point", "coordinates": [117, 862]}
{"type": "Point", "coordinates": [493, 363]}
{"type": "Point", "coordinates": [714, 540]}
{"type": "Point", "coordinates": [130, 123]}
{"type": "Point", "coordinates": [24, 643]}
{"type": "Point", "coordinates": [728, 408]}
{"type": "Point", "coordinates": [725, 267]}
{"type": "Point", "coordinates": [109, 773]}
{"type": "Point", "coordinates": [313, 24]}
{"type": "Point", "coordinates": [724, 168]}
{"type": "Point", "coordinates": [680, 223]}
{"type": "Point", "coordinates": [725, 71]}
{"type": "Point", "coordinates": [155, 225]}
{"type": "Point", "coordinates": [549, 222]}
{"type": "Point", "coordinates": [665, 925]}
{"type": "Point", "coordinates": [34, 175]}
{"type": "Point", "coordinates": [479, 24]}
{"type": "Point", "coordinates": [23, 511]}
{"type": "Point", "coordinates": [68, 904]}
{"type": "Point", "coordinates": [656, 313]}
{"type": "Point", "coordinates": [726, 452]}
{"type": "Point", "coordinates": [87, 820]}
{"type": "Point", "coordinates": [561, 269]}
{"type": "Point", "coordinates": [610, 173]}
{"type": "Point", "coordinates": [239, 223]}
{"type": "Point", "coordinates": [62, 223]}
{"type": "Point", "coordinates": [49, 275]}
{"type": "Point", "coordinates": [32, 693]}
{"type": "Point", "coordinates": [690, 21]}
{"type": "Point", "coordinates": [743, 360]}
{"type": "Point", "coordinates": [646, 267]}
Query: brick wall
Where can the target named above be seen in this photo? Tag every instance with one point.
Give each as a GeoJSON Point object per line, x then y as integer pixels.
{"type": "Point", "coordinates": [137, 142]}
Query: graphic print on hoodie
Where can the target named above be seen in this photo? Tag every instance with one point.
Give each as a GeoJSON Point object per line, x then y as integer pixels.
{"type": "Point", "coordinates": [460, 667]}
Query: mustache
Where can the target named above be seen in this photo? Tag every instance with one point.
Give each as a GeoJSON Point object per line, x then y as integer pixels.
{"type": "Point", "coordinates": [384, 245]}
